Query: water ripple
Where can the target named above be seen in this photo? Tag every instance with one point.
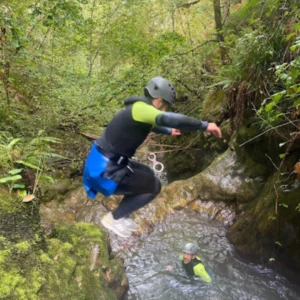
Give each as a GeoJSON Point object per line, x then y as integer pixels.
{"type": "Point", "coordinates": [233, 277]}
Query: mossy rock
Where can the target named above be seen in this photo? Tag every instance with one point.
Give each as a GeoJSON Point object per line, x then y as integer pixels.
{"type": "Point", "coordinates": [64, 271]}
{"type": "Point", "coordinates": [248, 141]}
{"type": "Point", "coordinates": [214, 106]}
{"type": "Point", "coordinates": [263, 234]}
{"type": "Point", "coordinates": [188, 162]}
{"type": "Point", "coordinates": [226, 179]}
{"type": "Point", "coordinates": [59, 188]}
{"type": "Point", "coordinates": [19, 220]}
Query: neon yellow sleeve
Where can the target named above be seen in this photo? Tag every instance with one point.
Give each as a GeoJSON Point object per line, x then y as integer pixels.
{"type": "Point", "coordinates": [143, 112]}
{"type": "Point", "coordinates": [200, 271]}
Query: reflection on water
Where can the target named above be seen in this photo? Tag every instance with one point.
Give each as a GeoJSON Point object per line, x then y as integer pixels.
{"type": "Point", "coordinates": [233, 278]}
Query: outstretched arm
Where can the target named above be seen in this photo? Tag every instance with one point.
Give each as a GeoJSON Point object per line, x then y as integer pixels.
{"type": "Point", "coordinates": [180, 121]}
{"type": "Point", "coordinates": [145, 113]}
{"type": "Point", "coordinates": [183, 122]}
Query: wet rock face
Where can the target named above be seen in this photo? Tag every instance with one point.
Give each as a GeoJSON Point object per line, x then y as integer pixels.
{"type": "Point", "coordinates": [62, 212]}
{"type": "Point", "coordinates": [220, 211]}
{"type": "Point", "coordinates": [270, 232]}
{"type": "Point", "coordinates": [77, 207]}
{"type": "Point", "coordinates": [226, 179]}
{"type": "Point", "coordinates": [187, 163]}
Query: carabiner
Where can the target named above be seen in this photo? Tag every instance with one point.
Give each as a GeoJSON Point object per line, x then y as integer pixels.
{"type": "Point", "coordinates": [157, 163]}
{"type": "Point", "coordinates": [152, 158]}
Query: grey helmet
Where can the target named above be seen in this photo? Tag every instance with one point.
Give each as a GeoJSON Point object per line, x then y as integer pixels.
{"type": "Point", "coordinates": [159, 87]}
{"type": "Point", "coordinates": [190, 248]}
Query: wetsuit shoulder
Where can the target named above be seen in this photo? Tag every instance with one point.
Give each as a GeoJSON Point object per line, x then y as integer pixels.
{"type": "Point", "coordinates": [200, 271]}
{"type": "Point", "coordinates": [143, 112]}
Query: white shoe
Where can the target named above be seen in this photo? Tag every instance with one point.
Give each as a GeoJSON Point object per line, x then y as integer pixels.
{"type": "Point", "coordinates": [130, 224]}
{"type": "Point", "coordinates": [117, 226]}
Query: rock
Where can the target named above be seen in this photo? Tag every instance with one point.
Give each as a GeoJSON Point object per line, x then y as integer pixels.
{"type": "Point", "coordinates": [261, 233]}
{"type": "Point", "coordinates": [220, 211]}
{"type": "Point", "coordinates": [66, 265]}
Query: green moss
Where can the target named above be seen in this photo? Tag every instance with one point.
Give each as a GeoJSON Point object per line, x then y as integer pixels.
{"type": "Point", "coordinates": [258, 230]}
{"type": "Point", "coordinates": [82, 234]}
{"type": "Point", "coordinates": [19, 221]}
{"type": "Point", "coordinates": [23, 247]}
{"type": "Point", "coordinates": [64, 272]}
{"type": "Point", "coordinates": [214, 106]}
{"type": "Point", "coordinates": [3, 255]}
{"type": "Point", "coordinates": [9, 203]}
{"type": "Point", "coordinates": [20, 279]}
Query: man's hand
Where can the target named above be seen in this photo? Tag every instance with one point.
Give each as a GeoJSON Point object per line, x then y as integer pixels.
{"type": "Point", "coordinates": [175, 132]}
{"type": "Point", "coordinates": [214, 129]}
{"type": "Point", "coordinates": [169, 268]}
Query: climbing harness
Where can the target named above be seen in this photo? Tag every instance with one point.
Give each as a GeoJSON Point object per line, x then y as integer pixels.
{"type": "Point", "coordinates": [157, 166]}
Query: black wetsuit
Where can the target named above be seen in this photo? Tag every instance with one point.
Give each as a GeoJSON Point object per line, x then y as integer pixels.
{"type": "Point", "coordinates": [123, 135]}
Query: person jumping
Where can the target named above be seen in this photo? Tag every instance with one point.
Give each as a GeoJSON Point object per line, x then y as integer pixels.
{"type": "Point", "coordinates": [108, 168]}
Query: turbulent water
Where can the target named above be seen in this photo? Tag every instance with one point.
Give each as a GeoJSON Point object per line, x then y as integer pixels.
{"type": "Point", "coordinates": [146, 261]}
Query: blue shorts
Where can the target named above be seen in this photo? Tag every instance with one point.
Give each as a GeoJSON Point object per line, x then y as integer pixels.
{"type": "Point", "coordinates": [95, 166]}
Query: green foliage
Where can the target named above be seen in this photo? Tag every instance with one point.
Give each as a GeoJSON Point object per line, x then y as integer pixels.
{"type": "Point", "coordinates": [283, 105]}
{"type": "Point", "coordinates": [254, 49]}
{"type": "Point", "coordinates": [26, 153]}
{"type": "Point", "coordinates": [252, 57]}
{"type": "Point", "coordinates": [34, 153]}
{"type": "Point", "coordinates": [11, 178]}
{"type": "Point", "coordinates": [72, 61]}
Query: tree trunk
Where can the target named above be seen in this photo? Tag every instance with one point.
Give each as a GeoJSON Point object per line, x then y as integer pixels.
{"type": "Point", "coordinates": [219, 28]}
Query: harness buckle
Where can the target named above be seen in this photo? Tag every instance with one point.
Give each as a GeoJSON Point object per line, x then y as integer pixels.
{"type": "Point", "coordinates": [130, 169]}
{"type": "Point", "coordinates": [121, 158]}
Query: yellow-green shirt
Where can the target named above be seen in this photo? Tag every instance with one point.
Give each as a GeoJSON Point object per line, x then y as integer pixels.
{"type": "Point", "coordinates": [195, 267]}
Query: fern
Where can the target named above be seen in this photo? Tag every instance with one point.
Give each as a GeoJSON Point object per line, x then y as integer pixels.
{"type": "Point", "coordinates": [31, 153]}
